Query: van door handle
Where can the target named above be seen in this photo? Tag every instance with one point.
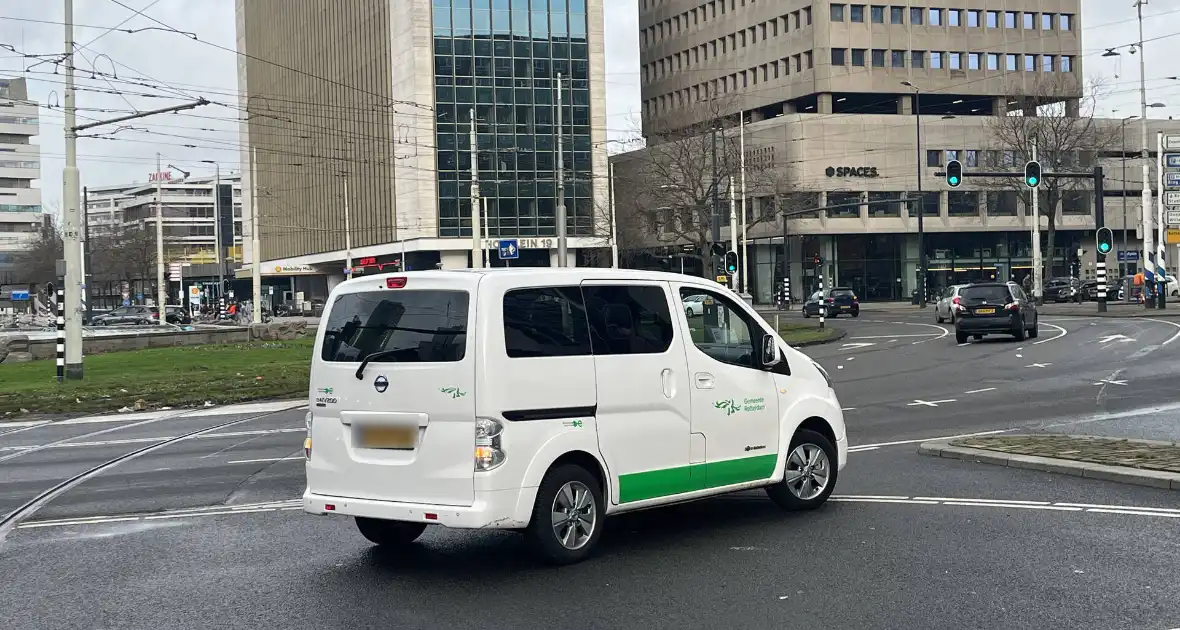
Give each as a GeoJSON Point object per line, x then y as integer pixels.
{"type": "Point", "coordinates": [669, 385]}
{"type": "Point", "coordinates": [704, 380]}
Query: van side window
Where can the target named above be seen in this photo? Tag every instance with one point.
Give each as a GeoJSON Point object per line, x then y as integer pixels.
{"type": "Point", "coordinates": [727, 337]}
{"type": "Point", "coordinates": [628, 319]}
{"type": "Point", "coordinates": [416, 326]}
{"type": "Point", "coordinates": [545, 322]}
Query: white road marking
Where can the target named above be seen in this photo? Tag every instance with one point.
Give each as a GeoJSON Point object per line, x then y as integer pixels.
{"type": "Point", "coordinates": [213, 510]}
{"type": "Point", "coordinates": [858, 345]}
{"type": "Point", "coordinates": [980, 391]}
{"type": "Point", "coordinates": [1015, 504]}
{"type": "Point", "coordinates": [861, 449]}
{"type": "Point", "coordinates": [895, 337]}
{"type": "Point", "coordinates": [1111, 382]}
{"type": "Point", "coordinates": [1173, 337]}
{"type": "Point", "coordinates": [1118, 338]}
{"type": "Point", "coordinates": [147, 440]}
{"type": "Point", "coordinates": [932, 439]}
{"type": "Point", "coordinates": [265, 459]}
{"type": "Point", "coordinates": [965, 344]}
{"type": "Point", "coordinates": [1039, 365]}
{"type": "Point", "coordinates": [23, 423]}
{"type": "Point", "coordinates": [228, 410]}
{"type": "Point", "coordinates": [930, 403]}
{"type": "Point", "coordinates": [945, 331]}
{"type": "Point", "coordinates": [848, 408]}
{"type": "Point", "coordinates": [1064, 332]}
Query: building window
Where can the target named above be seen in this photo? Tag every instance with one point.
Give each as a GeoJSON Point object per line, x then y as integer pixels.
{"type": "Point", "coordinates": [1066, 63]}
{"type": "Point", "coordinates": [972, 158]}
{"type": "Point", "coordinates": [1011, 63]}
{"type": "Point", "coordinates": [1030, 63]}
{"type": "Point", "coordinates": [1046, 21]}
{"type": "Point", "coordinates": [897, 15]}
{"type": "Point", "coordinates": [897, 58]}
{"type": "Point", "coordinates": [973, 61]}
{"type": "Point", "coordinates": [858, 57]}
{"type": "Point", "coordinates": [1030, 21]}
{"type": "Point", "coordinates": [1065, 21]}
{"type": "Point", "coordinates": [878, 58]}
{"type": "Point", "coordinates": [956, 61]}
{"type": "Point", "coordinates": [993, 61]}
{"type": "Point", "coordinates": [857, 12]}
{"type": "Point", "coordinates": [837, 13]}
{"type": "Point", "coordinates": [807, 16]}
{"type": "Point", "coordinates": [1046, 63]}
{"type": "Point", "coordinates": [935, 60]}
{"type": "Point", "coordinates": [963, 204]}
{"type": "Point", "coordinates": [935, 17]}
{"type": "Point", "coordinates": [918, 59]}
{"type": "Point", "coordinates": [931, 202]}
{"type": "Point", "coordinates": [954, 17]}
{"type": "Point", "coordinates": [933, 158]}
{"type": "Point", "coordinates": [807, 56]}
{"type": "Point", "coordinates": [1009, 19]}
{"type": "Point", "coordinates": [916, 16]}
{"type": "Point", "coordinates": [838, 57]}
{"type": "Point", "coordinates": [972, 18]}
{"type": "Point", "coordinates": [884, 204]}
{"type": "Point", "coordinates": [1002, 203]}
{"type": "Point", "coordinates": [1076, 202]}
{"type": "Point", "coordinates": [993, 19]}
{"type": "Point", "coordinates": [878, 15]}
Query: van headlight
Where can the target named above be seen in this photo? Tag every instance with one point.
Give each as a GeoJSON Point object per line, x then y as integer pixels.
{"type": "Point", "coordinates": [488, 448]}
{"type": "Point", "coordinates": [821, 370]}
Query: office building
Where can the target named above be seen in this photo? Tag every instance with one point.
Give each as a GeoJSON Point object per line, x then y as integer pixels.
{"type": "Point", "coordinates": [20, 168]}
{"type": "Point", "coordinates": [361, 118]}
{"type": "Point", "coordinates": [828, 92]}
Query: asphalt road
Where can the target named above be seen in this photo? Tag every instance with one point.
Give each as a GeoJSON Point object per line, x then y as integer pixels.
{"type": "Point", "coordinates": [206, 531]}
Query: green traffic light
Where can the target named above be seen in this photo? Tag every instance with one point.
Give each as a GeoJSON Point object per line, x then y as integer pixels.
{"type": "Point", "coordinates": [954, 180]}
{"type": "Point", "coordinates": [1104, 248]}
{"type": "Point", "coordinates": [1032, 181]}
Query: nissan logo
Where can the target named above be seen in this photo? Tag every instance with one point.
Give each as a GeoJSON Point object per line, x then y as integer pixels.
{"type": "Point", "coordinates": [380, 384]}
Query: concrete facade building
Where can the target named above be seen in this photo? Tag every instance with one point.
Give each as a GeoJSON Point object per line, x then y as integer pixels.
{"type": "Point", "coordinates": [828, 92]}
{"type": "Point", "coordinates": [360, 118]}
{"type": "Point", "coordinates": [20, 169]}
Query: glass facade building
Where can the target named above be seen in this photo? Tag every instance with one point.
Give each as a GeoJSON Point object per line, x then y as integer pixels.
{"type": "Point", "coordinates": [501, 59]}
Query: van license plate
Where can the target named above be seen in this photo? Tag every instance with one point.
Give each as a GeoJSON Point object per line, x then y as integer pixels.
{"type": "Point", "coordinates": [387, 437]}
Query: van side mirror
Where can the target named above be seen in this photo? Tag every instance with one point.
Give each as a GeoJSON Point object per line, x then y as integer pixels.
{"type": "Point", "coordinates": [769, 354]}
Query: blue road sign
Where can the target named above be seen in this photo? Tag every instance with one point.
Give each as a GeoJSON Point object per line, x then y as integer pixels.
{"type": "Point", "coordinates": [126, 302]}
{"type": "Point", "coordinates": [1172, 180]}
{"type": "Point", "coordinates": [1172, 160]}
{"type": "Point", "coordinates": [509, 249]}
{"type": "Point", "coordinates": [20, 296]}
{"type": "Point", "coordinates": [1126, 256]}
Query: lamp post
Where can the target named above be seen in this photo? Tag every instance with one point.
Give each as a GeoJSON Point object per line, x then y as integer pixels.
{"type": "Point", "coordinates": [921, 203]}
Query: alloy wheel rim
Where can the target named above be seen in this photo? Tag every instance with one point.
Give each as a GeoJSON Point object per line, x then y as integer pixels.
{"type": "Point", "coordinates": [808, 471]}
{"type": "Point", "coordinates": [573, 515]}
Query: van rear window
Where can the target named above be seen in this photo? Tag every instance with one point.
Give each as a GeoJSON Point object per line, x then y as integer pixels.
{"type": "Point", "coordinates": [415, 326]}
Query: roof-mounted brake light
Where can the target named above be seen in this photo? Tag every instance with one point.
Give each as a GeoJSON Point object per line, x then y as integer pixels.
{"type": "Point", "coordinates": [395, 283]}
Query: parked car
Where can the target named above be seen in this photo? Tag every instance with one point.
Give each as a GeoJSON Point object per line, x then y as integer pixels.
{"type": "Point", "coordinates": [694, 305]}
{"type": "Point", "coordinates": [1063, 290]}
{"type": "Point", "coordinates": [95, 314]}
{"type": "Point", "coordinates": [948, 302]}
{"type": "Point", "coordinates": [837, 300]}
{"type": "Point", "coordinates": [127, 315]}
{"type": "Point", "coordinates": [175, 314]}
{"type": "Point", "coordinates": [995, 307]}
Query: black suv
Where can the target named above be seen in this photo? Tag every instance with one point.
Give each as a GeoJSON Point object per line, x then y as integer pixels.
{"type": "Point", "coordinates": [1063, 290]}
{"type": "Point", "coordinates": [837, 300]}
{"type": "Point", "coordinates": [995, 307]}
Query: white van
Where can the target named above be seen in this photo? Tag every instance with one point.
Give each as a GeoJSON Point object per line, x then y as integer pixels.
{"type": "Point", "coordinates": [547, 399]}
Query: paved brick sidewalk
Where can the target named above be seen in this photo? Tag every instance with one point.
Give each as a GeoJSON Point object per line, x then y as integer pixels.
{"type": "Point", "coordinates": [1141, 454]}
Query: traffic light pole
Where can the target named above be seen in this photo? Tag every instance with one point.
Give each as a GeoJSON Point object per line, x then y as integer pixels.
{"type": "Point", "coordinates": [1100, 228]}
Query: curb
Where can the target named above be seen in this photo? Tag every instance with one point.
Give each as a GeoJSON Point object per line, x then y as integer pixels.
{"type": "Point", "coordinates": [840, 334]}
{"type": "Point", "coordinates": [1119, 474]}
{"type": "Point", "coordinates": [1109, 315]}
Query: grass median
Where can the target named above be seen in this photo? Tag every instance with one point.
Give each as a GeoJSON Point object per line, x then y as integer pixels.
{"type": "Point", "coordinates": [795, 334]}
{"type": "Point", "coordinates": [160, 377]}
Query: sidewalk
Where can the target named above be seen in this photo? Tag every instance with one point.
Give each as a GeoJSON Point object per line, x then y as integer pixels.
{"type": "Point", "coordinates": [1139, 462]}
{"type": "Point", "coordinates": [1116, 310]}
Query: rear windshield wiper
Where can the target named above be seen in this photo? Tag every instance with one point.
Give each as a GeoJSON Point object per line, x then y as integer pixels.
{"type": "Point", "coordinates": [373, 356]}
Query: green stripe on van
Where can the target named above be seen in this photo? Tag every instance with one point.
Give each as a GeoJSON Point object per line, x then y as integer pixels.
{"type": "Point", "coordinates": [653, 484]}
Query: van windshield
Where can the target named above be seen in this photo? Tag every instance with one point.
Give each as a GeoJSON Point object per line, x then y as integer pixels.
{"type": "Point", "coordinates": [413, 326]}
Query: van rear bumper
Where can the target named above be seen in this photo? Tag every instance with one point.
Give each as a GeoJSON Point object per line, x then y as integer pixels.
{"type": "Point", "coordinates": [492, 509]}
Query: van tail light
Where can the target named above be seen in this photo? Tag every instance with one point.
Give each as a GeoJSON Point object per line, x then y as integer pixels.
{"type": "Point", "coordinates": [307, 419]}
{"type": "Point", "coordinates": [489, 451]}
{"type": "Point", "coordinates": [395, 283]}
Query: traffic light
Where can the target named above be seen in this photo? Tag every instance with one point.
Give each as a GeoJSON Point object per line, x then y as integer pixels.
{"type": "Point", "coordinates": [954, 173]}
{"type": "Point", "coordinates": [731, 262]}
{"type": "Point", "coordinates": [817, 260]}
{"type": "Point", "coordinates": [1105, 241]}
{"type": "Point", "coordinates": [1032, 174]}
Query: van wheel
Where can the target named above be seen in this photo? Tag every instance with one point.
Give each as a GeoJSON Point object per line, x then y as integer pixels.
{"type": "Point", "coordinates": [567, 516]}
{"type": "Point", "coordinates": [810, 475]}
{"type": "Point", "coordinates": [389, 533]}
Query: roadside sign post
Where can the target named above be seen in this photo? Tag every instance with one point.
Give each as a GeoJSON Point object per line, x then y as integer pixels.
{"type": "Point", "coordinates": [1169, 178]}
{"type": "Point", "coordinates": [509, 250]}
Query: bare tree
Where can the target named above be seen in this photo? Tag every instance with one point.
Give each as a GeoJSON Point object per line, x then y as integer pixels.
{"type": "Point", "coordinates": [38, 263]}
{"type": "Point", "coordinates": [128, 256]}
{"type": "Point", "coordinates": [671, 187]}
{"type": "Point", "coordinates": [1067, 137]}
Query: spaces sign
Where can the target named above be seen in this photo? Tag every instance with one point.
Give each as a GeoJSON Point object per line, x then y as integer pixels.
{"type": "Point", "coordinates": [851, 171]}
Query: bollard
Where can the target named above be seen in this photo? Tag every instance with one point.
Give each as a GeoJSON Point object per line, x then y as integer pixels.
{"type": "Point", "coordinates": [60, 312]}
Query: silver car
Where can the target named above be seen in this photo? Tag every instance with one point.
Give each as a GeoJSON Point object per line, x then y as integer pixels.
{"type": "Point", "coordinates": [944, 309]}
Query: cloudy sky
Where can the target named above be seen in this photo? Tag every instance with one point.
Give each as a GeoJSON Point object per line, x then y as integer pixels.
{"type": "Point", "coordinates": [151, 69]}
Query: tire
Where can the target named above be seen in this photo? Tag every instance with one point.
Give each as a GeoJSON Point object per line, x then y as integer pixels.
{"type": "Point", "coordinates": [797, 489]}
{"type": "Point", "coordinates": [806, 315]}
{"type": "Point", "coordinates": [561, 487]}
{"type": "Point", "coordinates": [1021, 331]}
{"type": "Point", "coordinates": [938, 318]}
{"type": "Point", "coordinates": [1033, 332]}
{"type": "Point", "coordinates": [960, 337]}
{"type": "Point", "coordinates": [856, 313]}
{"type": "Point", "coordinates": [389, 533]}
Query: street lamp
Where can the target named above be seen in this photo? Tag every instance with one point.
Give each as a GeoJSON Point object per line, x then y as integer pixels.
{"type": "Point", "coordinates": [920, 204]}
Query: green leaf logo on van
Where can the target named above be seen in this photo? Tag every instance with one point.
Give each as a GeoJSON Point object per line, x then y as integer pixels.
{"type": "Point", "coordinates": [730, 406]}
{"type": "Point", "coordinates": [455, 392]}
